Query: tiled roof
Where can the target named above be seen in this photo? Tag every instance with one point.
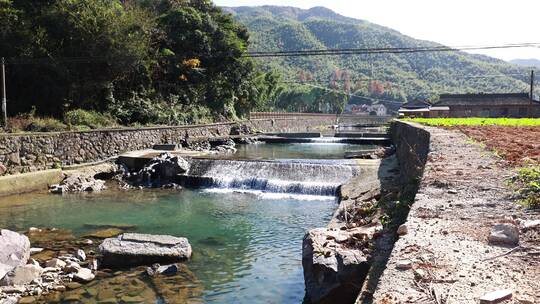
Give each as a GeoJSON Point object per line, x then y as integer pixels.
{"type": "Point", "coordinates": [507, 99]}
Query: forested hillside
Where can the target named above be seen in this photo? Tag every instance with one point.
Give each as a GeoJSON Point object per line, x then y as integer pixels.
{"type": "Point", "coordinates": [385, 76]}
{"type": "Point", "coordinates": [101, 62]}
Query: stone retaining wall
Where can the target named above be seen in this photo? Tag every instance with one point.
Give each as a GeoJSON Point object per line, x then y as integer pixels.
{"type": "Point", "coordinates": [412, 148]}
{"type": "Point", "coordinates": [31, 152]}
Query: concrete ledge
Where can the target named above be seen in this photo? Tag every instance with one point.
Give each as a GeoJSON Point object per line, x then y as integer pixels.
{"type": "Point", "coordinates": [28, 182]}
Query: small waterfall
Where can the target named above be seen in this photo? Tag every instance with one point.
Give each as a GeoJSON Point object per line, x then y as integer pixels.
{"type": "Point", "coordinates": [294, 177]}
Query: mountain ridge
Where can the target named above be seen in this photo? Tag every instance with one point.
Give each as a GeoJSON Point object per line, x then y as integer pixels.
{"type": "Point", "coordinates": [410, 76]}
{"type": "Point", "coordinates": [530, 62]}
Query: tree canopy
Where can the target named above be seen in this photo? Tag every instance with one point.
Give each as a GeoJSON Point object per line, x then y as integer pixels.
{"type": "Point", "coordinates": [144, 61]}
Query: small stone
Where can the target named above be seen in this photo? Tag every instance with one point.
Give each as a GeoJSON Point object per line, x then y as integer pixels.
{"type": "Point", "coordinates": [94, 265]}
{"type": "Point", "coordinates": [526, 225]}
{"type": "Point", "coordinates": [84, 275]}
{"type": "Point", "coordinates": [404, 264]}
{"type": "Point", "coordinates": [51, 269]}
{"type": "Point", "coordinates": [13, 289]}
{"type": "Point", "coordinates": [87, 242]}
{"type": "Point", "coordinates": [35, 250]}
{"type": "Point", "coordinates": [81, 255]}
{"type": "Point", "coordinates": [10, 300]}
{"type": "Point", "coordinates": [504, 234]}
{"type": "Point", "coordinates": [60, 288]}
{"type": "Point", "coordinates": [23, 275]}
{"type": "Point", "coordinates": [55, 263]}
{"type": "Point", "coordinates": [132, 299]}
{"type": "Point", "coordinates": [525, 299]}
{"type": "Point", "coordinates": [105, 233]}
{"type": "Point", "coordinates": [72, 267]}
{"type": "Point", "coordinates": [27, 300]}
{"type": "Point", "coordinates": [403, 230]}
{"type": "Point", "coordinates": [420, 274]}
{"type": "Point", "coordinates": [73, 285]}
{"type": "Point", "coordinates": [168, 269]}
{"type": "Point", "coordinates": [33, 262]}
{"type": "Point", "coordinates": [496, 296]}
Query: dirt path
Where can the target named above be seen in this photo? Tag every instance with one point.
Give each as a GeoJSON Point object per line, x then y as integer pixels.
{"type": "Point", "coordinates": [462, 196]}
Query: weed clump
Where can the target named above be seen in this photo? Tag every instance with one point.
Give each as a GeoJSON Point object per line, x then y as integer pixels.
{"type": "Point", "coordinates": [527, 186]}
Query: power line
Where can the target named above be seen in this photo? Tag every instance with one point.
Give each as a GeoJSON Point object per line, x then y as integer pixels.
{"type": "Point", "coordinates": [392, 50]}
{"type": "Point", "coordinates": [401, 79]}
{"type": "Point", "coordinates": [294, 53]}
{"type": "Point", "coordinates": [354, 95]}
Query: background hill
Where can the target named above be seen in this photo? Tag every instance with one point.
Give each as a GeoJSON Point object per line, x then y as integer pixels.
{"type": "Point", "coordinates": [527, 62]}
{"type": "Point", "coordinates": [385, 76]}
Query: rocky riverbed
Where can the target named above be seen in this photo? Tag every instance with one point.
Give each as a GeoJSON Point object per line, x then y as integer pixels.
{"type": "Point", "coordinates": [51, 265]}
{"type": "Point", "coordinates": [338, 258]}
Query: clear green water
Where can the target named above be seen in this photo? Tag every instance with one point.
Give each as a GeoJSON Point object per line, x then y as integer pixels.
{"type": "Point", "coordinates": [297, 151]}
{"type": "Point", "coordinates": [246, 250]}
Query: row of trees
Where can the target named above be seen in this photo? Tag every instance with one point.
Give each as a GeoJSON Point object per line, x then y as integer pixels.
{"type": "Point", "coordinates": [142, 61]}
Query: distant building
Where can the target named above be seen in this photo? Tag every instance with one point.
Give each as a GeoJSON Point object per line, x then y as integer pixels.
{"type": "Point", "coordinates": [515, 105]}
{"type": "Point", "coordinates": [378, 109]}
{"type": "Point", "coordinates": [420, 108]}
{"type": "Point", "coordinates": [365, 109]}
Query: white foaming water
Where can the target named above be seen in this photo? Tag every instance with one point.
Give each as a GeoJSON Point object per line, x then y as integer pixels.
{"type": "Point", "coordinates": [276, 177]}
{"type": "Point", "coordinates": [320, 140]}
{"type": "Point", "coordinates": [273, 196]}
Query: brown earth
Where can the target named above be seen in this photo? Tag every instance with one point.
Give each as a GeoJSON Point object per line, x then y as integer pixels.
{"type": "Point", "coordinates": [518, 145]}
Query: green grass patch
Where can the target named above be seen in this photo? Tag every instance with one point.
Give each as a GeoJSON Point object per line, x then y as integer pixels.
{"type": "Point", "coordinates": [527, 185]}
{"type": "Point", "coordinates": [476, 121]}
{"type": "Point", "coordinates": [82, 120]}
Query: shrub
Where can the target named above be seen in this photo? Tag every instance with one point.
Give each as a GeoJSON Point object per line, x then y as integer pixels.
{"type": "Point", "coordinates": [145, 109]}
{"type": "Point", "coordinates": [45, 124]}
{"type": "Point", "coordinates": [30, 123]}
{"type": "Point", "coordinates": [89, 119]}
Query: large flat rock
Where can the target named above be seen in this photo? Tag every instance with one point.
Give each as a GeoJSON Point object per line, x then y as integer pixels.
{"type": "Point", "coordinates": [14, 251]}
{"type": "Point", "coordinates": [131, 249]}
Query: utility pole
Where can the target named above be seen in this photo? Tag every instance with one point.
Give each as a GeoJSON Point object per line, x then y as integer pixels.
{"type": "Point", "coordinates": [4, 101]}
{"type": "Point", "coordinates": [531, 96]}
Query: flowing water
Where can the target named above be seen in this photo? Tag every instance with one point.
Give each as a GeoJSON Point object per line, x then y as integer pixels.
{"type": "Point", "coordinates": [295, 177]}
{"type": "Point", "coordinates": [245, 225]}
{"type": "Point", "coordinates": [246, 249]}
{"type": "Point", "coordinates": [315, 150]}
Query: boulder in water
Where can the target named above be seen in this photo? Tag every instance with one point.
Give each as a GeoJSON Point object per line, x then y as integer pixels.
{"type": "Point", "coordinates": [161, 170]}
{"type": "Point", "coordinates": [14, 251]}
{"type": "Point", "coordinates": [78, 183]}
{"type": "Point", "coordinates": [331, 268]}
{"type": "Point", "coordinates": [131, 249]}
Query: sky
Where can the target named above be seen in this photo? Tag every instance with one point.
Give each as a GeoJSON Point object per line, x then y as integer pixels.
{"type": "Point", "coordinates": [450, 22]}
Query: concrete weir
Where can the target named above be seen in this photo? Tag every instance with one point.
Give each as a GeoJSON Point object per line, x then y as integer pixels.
{"type": "Point", "coordinates": [383, 141]}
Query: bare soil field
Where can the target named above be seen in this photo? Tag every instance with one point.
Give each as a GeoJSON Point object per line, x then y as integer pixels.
{"type": "Point", "coordinates": [518, 145]}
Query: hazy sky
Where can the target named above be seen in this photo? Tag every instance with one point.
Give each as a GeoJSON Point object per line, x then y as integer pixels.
{"type": "Point", "coordinates": [450, 22]}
